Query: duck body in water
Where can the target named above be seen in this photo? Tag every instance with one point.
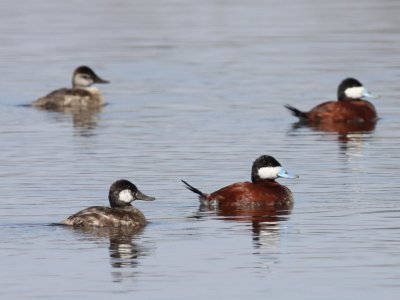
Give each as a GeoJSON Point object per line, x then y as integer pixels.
{"type": "Point", "coordinates": [263, 191]}
{"type": "Point", "coordinates": [121, 213]}
{"type": "Point", "coordinates": [350, 108]}
{"type": "Point", "coordinates": [81, 95]}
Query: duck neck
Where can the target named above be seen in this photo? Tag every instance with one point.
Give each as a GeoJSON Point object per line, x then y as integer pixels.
{"type": "Point", "coordinates": [260, 180]}
{"type": "Point", "coordinates": [118, 204]}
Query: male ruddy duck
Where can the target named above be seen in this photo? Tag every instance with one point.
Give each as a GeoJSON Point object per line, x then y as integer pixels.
{"type": "Point", "coordinates": [121, 213]}
{"type": "Point", "coordinates": [82, 94]}
{"type": "Point", "coordinates": [263, 191]}
{"type": "Point", "coordinates": [350, 107]}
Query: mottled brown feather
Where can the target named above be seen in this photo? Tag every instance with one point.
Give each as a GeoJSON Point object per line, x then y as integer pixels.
{"type": "Point", "coordinates": [75, 97]}
{"type": "Point", "coordinates": [107, 217]}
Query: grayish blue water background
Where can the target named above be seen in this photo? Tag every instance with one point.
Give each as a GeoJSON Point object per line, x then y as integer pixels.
{"type": "Point", "coordinates": [197, 92]}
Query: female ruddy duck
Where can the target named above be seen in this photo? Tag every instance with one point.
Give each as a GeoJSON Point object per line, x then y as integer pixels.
{"type": "Point", "coordinates": [121, 213]}
{"type": "Point", "coordinates": [263, 191]}
{"type": "Point", "coordinates": [350, 107]}
{"type": "Point", "coordinates": [82, 94]}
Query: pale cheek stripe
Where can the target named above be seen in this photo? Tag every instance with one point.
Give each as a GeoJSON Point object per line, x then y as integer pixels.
{"type": "Point", "coordinates": [269, 172]}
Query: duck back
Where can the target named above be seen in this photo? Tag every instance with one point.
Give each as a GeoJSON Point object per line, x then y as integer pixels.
{"type": "Point", "coordinates": [259, 194]}
{"type": "Point", "coordinates": [356, 111]}
{"type": "Point", "coordinates": [75, 97]}
{"type": "Point", "coordinates": [107, 217]}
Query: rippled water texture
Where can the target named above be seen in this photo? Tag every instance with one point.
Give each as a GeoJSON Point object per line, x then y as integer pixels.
{"type": "Point", "coordinates": [197, 93]}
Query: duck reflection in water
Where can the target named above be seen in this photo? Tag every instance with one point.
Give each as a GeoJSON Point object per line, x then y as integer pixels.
{"type": "Point", "coordinates": [84, 120]}
{"type": "Point", "coordinates": [350, 137]}
{"type": "Point", "coordinates": [262, 202]}
{"type": "Point", "coordinates": [342, 129]}
{"type": "Point", "coordinates": [124, 253]}
{"type": "Point", "coordinates": [265, 222]}
{"type": "Point", "coordinates": [125, 250]}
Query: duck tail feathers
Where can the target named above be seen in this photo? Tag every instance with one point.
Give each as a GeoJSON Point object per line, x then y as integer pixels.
{"type": "Point", "coordinates": [194, 190]}
{"type": "Point", "coordinates": [296, 112]}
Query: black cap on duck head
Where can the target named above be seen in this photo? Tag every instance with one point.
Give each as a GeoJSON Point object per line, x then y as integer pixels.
{"type": "Point", "coordinates": [123, 192]}
{"type": "Point", "coordinates": [85, 77]}
{"type": "Point", "coordinates": [352, 89]}
{"type": "Point", "coordinates": [268, 168]}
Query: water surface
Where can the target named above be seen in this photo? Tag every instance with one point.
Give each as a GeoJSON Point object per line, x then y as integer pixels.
{"type": "Point", "coordinates": [197, 92]}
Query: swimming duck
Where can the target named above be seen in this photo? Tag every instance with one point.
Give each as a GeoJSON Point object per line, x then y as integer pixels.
{"type": "Point", "coordinates": [121, 213]}
{"type": "Point", "coordinates": [349, 108]}
{"type": "Point", "coordinates": [81, 95]}
{"type": "Point", "coordinates": [262, 191]}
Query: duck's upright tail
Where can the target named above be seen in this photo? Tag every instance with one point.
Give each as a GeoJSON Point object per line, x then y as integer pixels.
{"type": "Point", "coordinates": [297, 113]}
{"type": "Point", "coordinates": [202, 196]}
{"type": "Point", "coordinates": [194, 190]}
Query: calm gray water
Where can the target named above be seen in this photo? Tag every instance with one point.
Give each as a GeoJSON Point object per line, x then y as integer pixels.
{"type": "Point", "coordinates": [197, 92]}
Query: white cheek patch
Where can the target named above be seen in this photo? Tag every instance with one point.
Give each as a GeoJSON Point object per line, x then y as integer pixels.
{"type": "Point", "coordinates": [355, 92]}
{"type": "Point", "coordinates": [269, 172]}
{"type": "Point", "coordinates": [125, 196]}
